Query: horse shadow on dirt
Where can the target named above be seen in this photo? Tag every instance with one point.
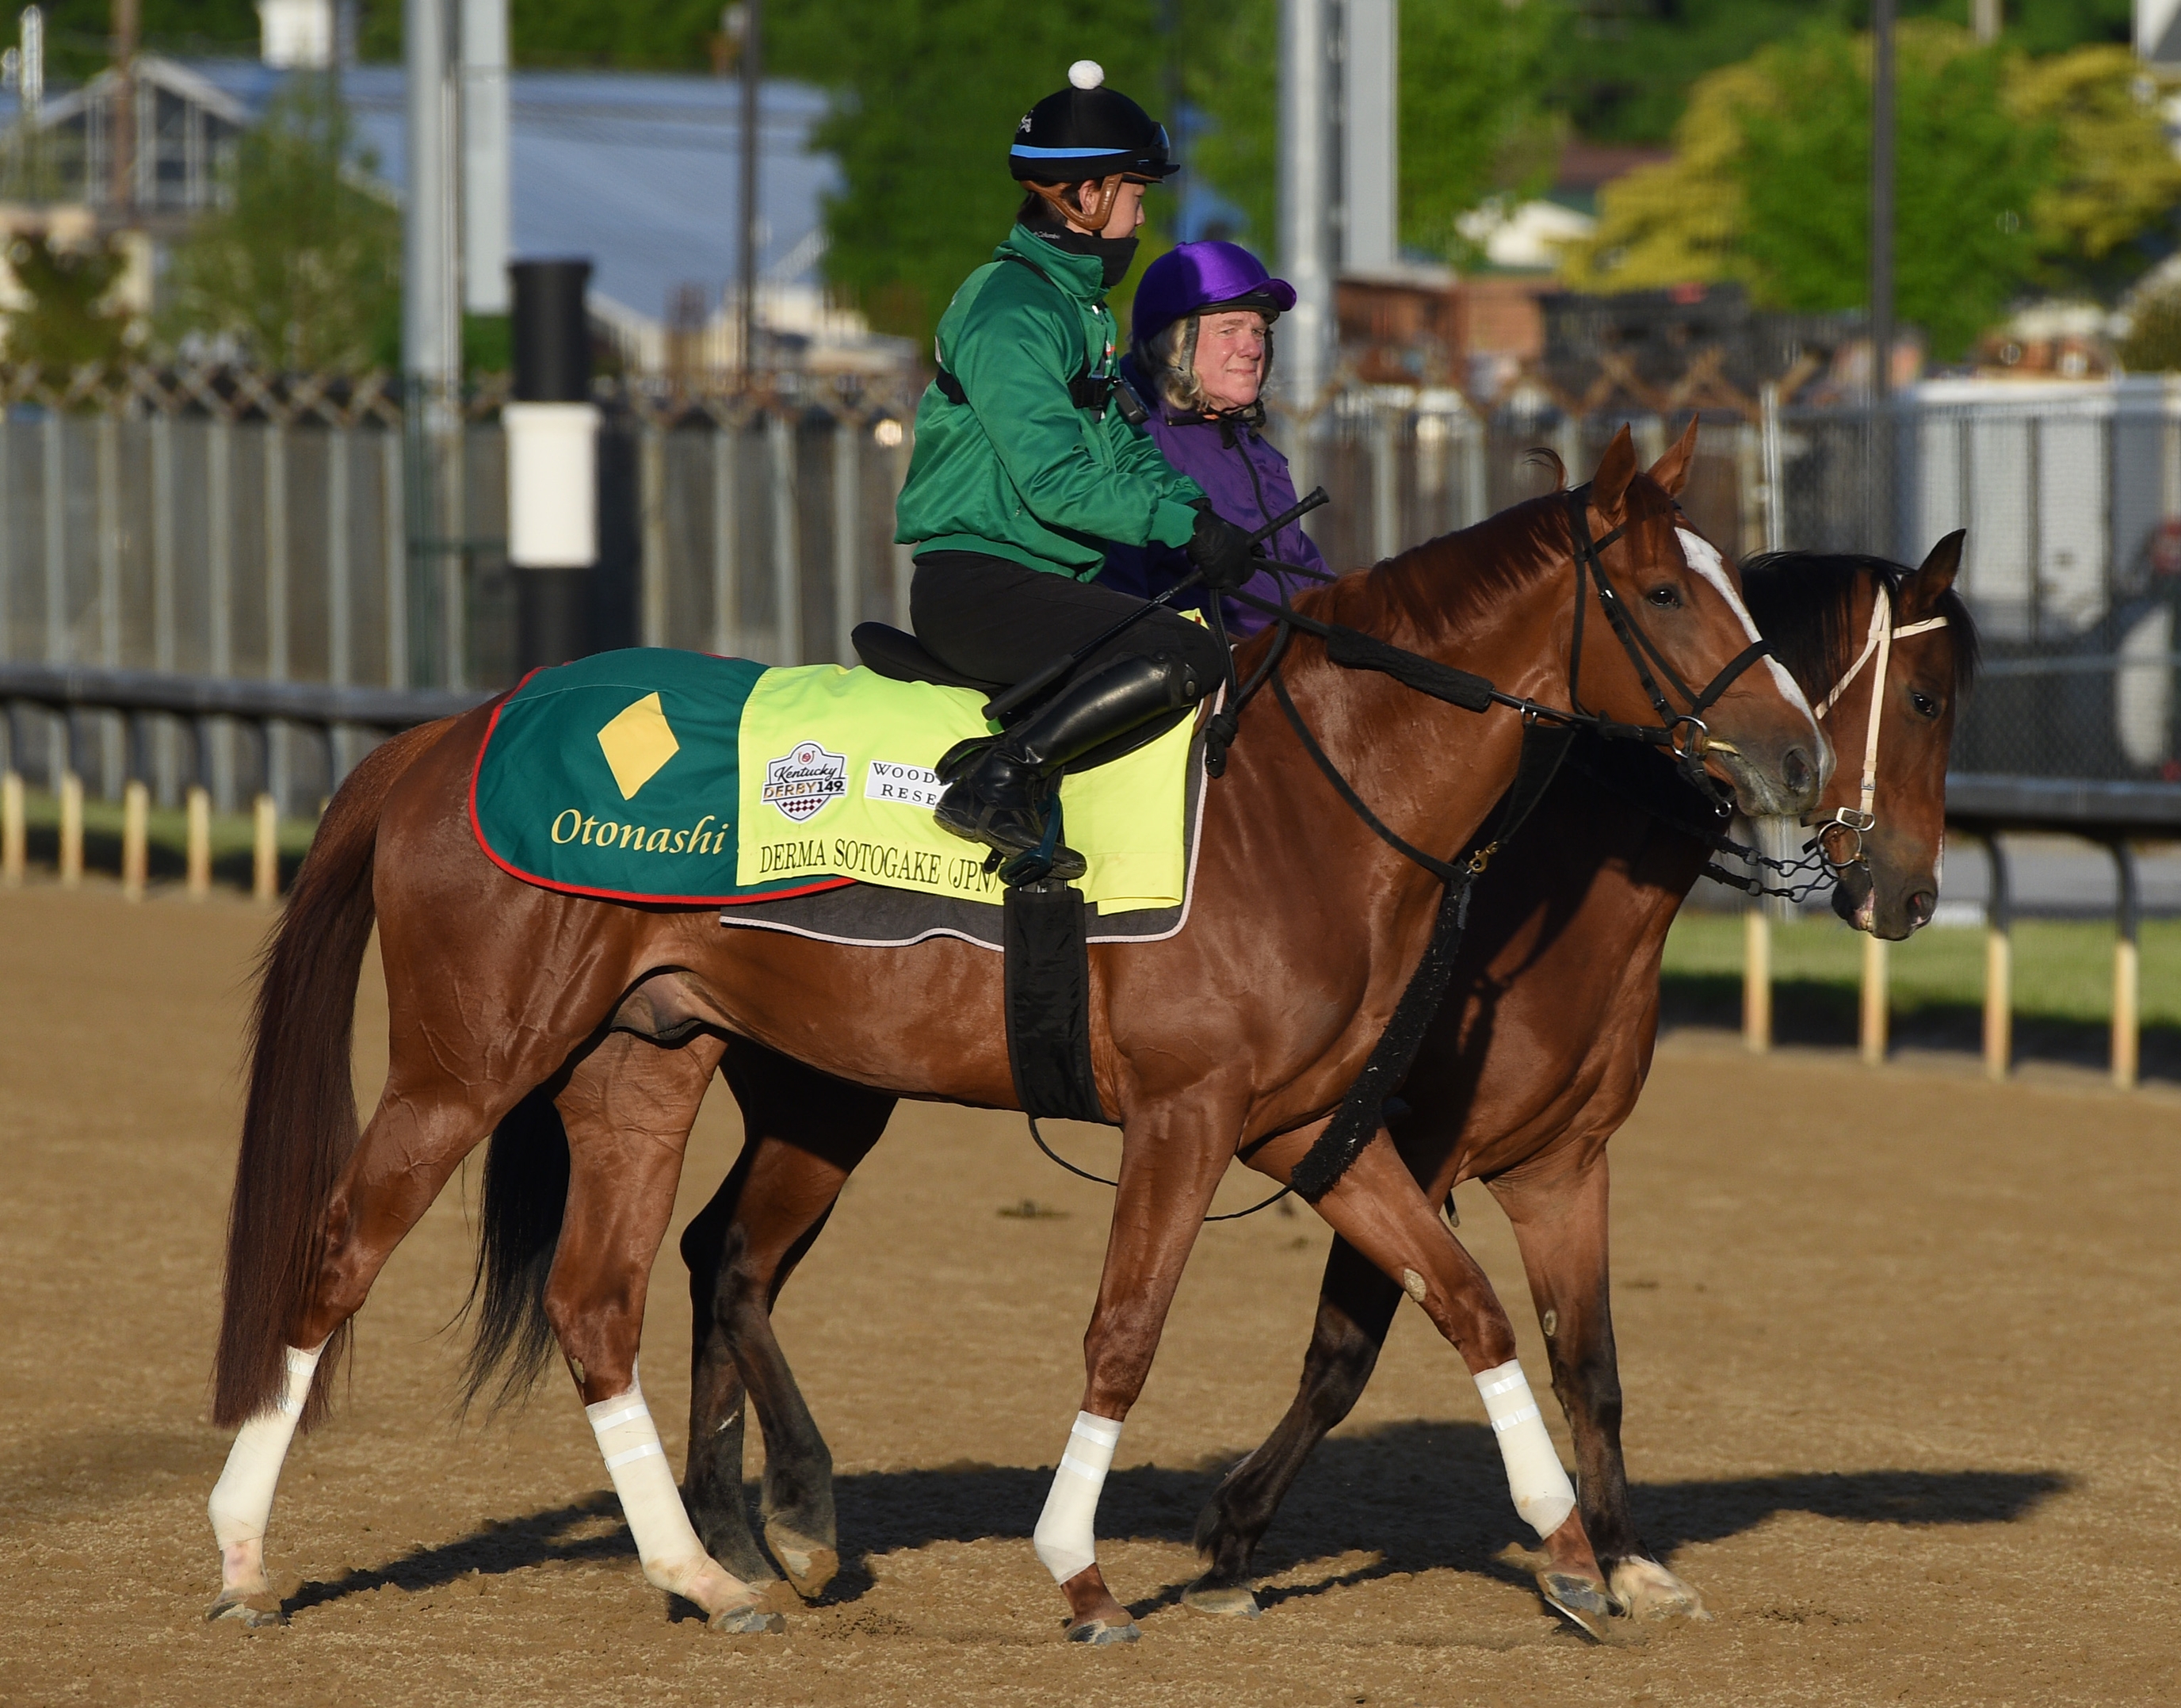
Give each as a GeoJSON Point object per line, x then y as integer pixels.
{"type": "Point", "coordinates": [1414, 1496]}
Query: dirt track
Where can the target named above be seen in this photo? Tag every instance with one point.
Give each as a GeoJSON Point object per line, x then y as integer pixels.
{"type": "Point", "coordinates": [1900, 1351]}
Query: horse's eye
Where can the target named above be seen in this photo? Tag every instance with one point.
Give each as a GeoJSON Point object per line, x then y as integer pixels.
{"type": "Point", "coordinates": [1924, 704]}
{"type": "Point", "coordinates": [1666, 598]}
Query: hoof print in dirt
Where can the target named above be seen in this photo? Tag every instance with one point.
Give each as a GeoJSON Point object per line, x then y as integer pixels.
{"type": "Point", "coordinates": [746, 1621]}
{"type": "Point", "coordinates": [1580, 1599]}
{"type": "Point", "coordinates": [1228, 1600]}
{"type": "Point", "coordinates": [1097, 1633]}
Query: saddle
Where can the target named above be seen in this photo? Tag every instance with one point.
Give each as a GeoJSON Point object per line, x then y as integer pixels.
{"type": "Point", "coordinates": [900, 657]}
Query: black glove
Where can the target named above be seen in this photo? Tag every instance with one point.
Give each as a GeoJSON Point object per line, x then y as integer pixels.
{"type": "Point", "coordinates": [1219, 551]}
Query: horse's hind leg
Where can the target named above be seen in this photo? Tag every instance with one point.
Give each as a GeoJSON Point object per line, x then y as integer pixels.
{"type": "Point", "coordinates": [628, 1106]}
{"type": "Point", "coordinates": [424, 1125]}
{"type": "Point", "coordinates": [1355, 1306]}
{"type": "Point", "coordinates": [804, 1132]}
{"type": "Point", "coordinates": [1560, 1220]}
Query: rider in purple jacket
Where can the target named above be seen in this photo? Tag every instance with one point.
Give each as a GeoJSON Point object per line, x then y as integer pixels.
{"type": "Point", "coordinates": [1200, 343]}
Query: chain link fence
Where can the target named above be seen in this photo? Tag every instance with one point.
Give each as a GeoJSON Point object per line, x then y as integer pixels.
{"type": "Point", "coordinates": [224, 523]}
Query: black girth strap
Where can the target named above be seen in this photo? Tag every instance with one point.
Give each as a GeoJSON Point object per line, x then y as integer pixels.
{"type": "Point", "coordinates": [1362, 1111]}
{"type": "Point", "coordinates": [1046, 982]}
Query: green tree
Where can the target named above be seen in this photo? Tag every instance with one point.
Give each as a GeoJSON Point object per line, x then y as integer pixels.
{"type": "Point", "coordinates": [303, 267]}
{"type": "Point", "coordinates": [69, 322]}
{"type": "Point", "coordinates": [1966, 171]}
{"type": "Point", "coordinates": [2010, 171]}
{"type": "Point", "coordinates": [1473, 117]}
{"type": "Point", "coordinates": [926, 95]}
{"type": "Point", "coordinates": [1626, 72]}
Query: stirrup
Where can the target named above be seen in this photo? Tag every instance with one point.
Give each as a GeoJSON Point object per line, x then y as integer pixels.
{"type": "Point", "coordinates": [1050, 858]}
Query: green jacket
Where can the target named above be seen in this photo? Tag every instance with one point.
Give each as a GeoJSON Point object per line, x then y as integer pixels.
{"type": "Point", "coordinates": [1017, 469]}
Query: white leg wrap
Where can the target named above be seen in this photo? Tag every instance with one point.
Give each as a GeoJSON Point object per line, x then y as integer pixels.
{"type": "Point", "coordinates": [1542, 1494]}
{"type": "Point", "coordinates": [1066, 1533]}
{"type": "Point", "coordinates": [241, 1503]}
{"type": "Point", "coordinates": [665, 1541]}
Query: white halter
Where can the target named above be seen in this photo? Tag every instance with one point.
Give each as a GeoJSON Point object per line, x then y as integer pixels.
{"type": "Point", "coordinates": [1880, 642]}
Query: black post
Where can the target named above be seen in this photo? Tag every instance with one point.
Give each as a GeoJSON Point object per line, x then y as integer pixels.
{"type": "Point", "coordinates": [1881, 441]}
{"type": "Point", "coordinates": [552, 365]}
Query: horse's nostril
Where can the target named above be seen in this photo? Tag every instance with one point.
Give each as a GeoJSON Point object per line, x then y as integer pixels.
{"type": "Point", "coordinates": [1921, 906]}
{"type": "Point", "coordinates": [1795, 770]}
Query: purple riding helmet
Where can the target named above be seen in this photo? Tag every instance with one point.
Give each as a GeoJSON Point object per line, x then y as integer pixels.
{"type": "Point", "coordinates": [1193, 278]}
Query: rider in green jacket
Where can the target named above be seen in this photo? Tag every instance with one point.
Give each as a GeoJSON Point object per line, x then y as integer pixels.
{"type": "Point", "coordinates": [1024, 464]}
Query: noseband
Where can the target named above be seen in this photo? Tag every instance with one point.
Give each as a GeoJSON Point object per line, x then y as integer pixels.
{"type": "Point", "coordinates": [1683, 733]}
{"type": "Point", "coordinates": [1855, 820]}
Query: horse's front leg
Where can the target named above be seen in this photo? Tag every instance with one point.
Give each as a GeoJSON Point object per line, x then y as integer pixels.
{"type": "Point", "coordinates": [1559, 1212]}
{"type": "Point", "coordinates": [804, 1132]}
{"type": "Point", "coordinates": [628, 1106]}
{"type": "Point", "coordinates": [1172, 1162]}
{"type": "Point", "coordinates": [1378, 1208]}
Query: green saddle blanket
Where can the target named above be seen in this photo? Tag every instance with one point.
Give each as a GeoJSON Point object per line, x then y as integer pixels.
{"type": "Point", "coordinates": [658, 776]}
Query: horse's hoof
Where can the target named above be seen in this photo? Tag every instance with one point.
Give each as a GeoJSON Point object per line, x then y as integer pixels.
{"type": "Point", "coordinates": [1097, 1633]}
{"type": "Point", "coordinates": [254, 1612]}
{"type": "Point", "coordinates": [1647, 1592]}
{"type": "Point", "coordinates": [1228, 1600]}
{"type": "Point", "coordinates": [809, 1566]}
{"type": "Point", "coordinates": [1584, 1602]}
{"type": "Point", "coordinates": [744, 1621]}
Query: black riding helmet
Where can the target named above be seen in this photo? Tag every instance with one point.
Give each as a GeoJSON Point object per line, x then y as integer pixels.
{"type": "Point", "coordinates": [1089, 132]}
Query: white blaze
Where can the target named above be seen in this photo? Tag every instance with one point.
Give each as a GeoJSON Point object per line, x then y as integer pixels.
{"type": "Point", "coordinates": [1704, 559]}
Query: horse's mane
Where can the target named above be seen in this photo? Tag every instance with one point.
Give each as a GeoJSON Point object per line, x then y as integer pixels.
{"type": "Point", "coordinates": [1430, 590]}
{"type": "Point", "coordinates": [1804, 602]}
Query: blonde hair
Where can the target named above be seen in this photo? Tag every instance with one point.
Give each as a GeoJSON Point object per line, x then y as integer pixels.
{"type": "Point", "coordinates": [1171, 360]}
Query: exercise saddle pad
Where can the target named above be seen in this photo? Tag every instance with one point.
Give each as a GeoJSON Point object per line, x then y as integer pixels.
{"type": "Point", "coordinates": [658, 776]}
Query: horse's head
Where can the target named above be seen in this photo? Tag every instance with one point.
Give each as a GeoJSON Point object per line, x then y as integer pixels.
{"type": "Point", "coordinates": [1665, 639]}
{"type": "Point", "coordinates": [1885, 652]}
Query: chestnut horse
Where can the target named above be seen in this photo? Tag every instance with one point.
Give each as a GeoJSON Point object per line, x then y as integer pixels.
{"type": "Point", "coordinates": [1242, 1030]}
{"type": "Point", "coordinates": [1522, 1080]}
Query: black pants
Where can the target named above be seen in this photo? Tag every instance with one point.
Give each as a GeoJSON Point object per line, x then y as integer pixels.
{"type": "Point", "coordinates": [990, 618]}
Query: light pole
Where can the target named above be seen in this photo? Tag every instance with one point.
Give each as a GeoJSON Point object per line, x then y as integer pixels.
{"type": "Point", "coordinates": [1881, 469]}
{"type": "Point", "coordinates": [747, 20]}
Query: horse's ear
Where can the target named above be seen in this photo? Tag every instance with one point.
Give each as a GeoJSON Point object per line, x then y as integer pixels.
{"type": "Point", "coordinates": [1920, 592]}
{"type": "Point", "coordinates": [1671, 471]}
{"type": "Point", "coordinates": [1609, 487]}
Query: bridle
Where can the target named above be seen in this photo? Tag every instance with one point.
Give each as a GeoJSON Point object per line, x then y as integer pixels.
{"type": "Point", "coordinates": [1856, 820]}
{"type": "Point", "coordinates": [1684, 733]}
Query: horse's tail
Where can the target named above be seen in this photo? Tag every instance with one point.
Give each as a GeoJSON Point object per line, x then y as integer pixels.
{"type": "Point", "coordinates": [522, 1200]}
{"type": "Point", "coordinates": [299, 1124]}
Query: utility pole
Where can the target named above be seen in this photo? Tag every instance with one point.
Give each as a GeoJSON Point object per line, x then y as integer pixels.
{"type": "Point", "coordinates": [1984, 18]}
{"type": "Point", "coordinates": [484, 192]}
{"type": "Point", "coordinates": [1306, 195]}
{"type": "Point", "coordinates": [121, 186]}
{"type": "Point", "coordinates": [746, 23]}
{"type": "Point", "coordinates": [431, 341]}
{"type": "Point", "coordinates": [1881, 440]}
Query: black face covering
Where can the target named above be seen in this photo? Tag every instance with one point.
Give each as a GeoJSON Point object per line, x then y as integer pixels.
{"type": "Point", "coordinates": [1115, 254]}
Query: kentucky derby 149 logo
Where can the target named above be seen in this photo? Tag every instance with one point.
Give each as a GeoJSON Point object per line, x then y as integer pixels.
{"type": "Point", "coordinates": [803, 780]}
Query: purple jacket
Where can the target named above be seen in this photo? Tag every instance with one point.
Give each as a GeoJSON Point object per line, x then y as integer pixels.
{"type": "Point", "coordinates": [1247, 482]}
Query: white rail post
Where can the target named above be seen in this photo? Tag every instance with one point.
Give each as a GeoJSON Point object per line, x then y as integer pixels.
{"type": "Point", "coordinates": [1756, 979]}
{"type": "Point", "coordinates": [265, 849]}
{"type": "Point", "coordinates": [2127, 1006]}
{"type": "Point", "coordinates": [1872, 1007]}
{"type": "Point", "coordinates": [1998, 967]}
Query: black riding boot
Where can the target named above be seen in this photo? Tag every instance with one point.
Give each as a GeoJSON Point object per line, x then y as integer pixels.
{"type": "Point", "coordinates": [998, 791]}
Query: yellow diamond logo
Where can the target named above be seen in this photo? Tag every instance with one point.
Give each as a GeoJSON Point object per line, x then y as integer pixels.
{"type": "Point", "coordinates": [636, 743]}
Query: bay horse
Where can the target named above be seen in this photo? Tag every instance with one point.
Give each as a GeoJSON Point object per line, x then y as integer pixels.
{"type": "Point", "coordinates": [1240, 1031]}
{"type": "Point", "coordinates": [1530, 1065]}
